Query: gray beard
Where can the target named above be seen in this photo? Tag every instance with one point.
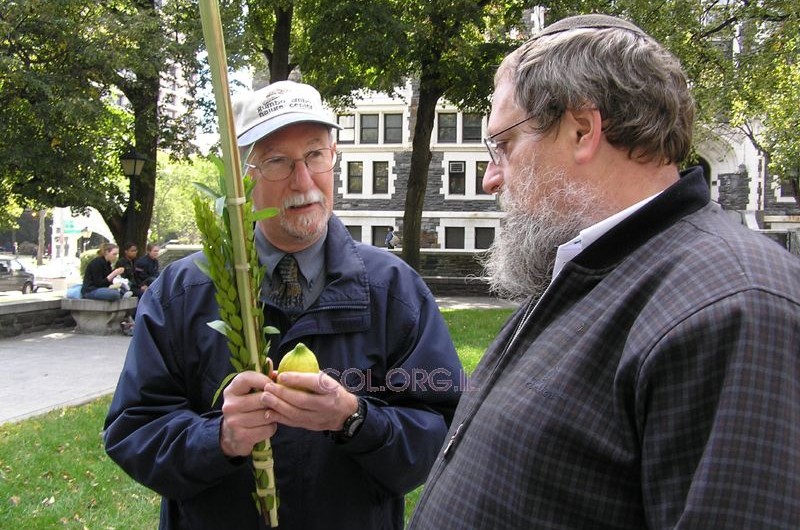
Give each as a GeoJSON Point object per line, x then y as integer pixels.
{"type": "Point", "coordinates": [520, 261]}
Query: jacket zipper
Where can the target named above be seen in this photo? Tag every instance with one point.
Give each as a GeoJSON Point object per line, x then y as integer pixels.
{"type": "Point", "coordinates": [462, 427]}
{"type": "Point", "coordinates": [490, 380]}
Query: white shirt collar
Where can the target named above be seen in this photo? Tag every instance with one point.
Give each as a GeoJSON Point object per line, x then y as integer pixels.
{"type": "Point", "coordinates": [567, 251]}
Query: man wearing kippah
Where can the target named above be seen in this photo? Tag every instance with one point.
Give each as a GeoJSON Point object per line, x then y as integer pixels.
{"type": "Point", "coordinates": [349, 442]}
{"type": "Point", "coordinates": [651, 378]}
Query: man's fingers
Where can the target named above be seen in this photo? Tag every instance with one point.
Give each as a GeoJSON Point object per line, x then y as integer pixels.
{"type": "Point", "coordinates": [319, 383]}
{"type": "Point", "coordinates": [245, 382]}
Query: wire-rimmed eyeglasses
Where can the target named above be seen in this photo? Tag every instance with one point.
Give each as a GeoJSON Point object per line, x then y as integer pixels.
{"type": "Point", "coordinates": [278, 168]}
{"type": "Point", "coordinates": [497, 155]}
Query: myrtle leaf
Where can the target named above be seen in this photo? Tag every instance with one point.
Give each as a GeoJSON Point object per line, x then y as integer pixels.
{"type": "Point", "coordinates": [264, 213]}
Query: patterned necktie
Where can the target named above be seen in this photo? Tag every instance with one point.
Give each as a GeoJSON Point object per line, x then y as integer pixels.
{"type": "Point", "coordinates": [289, 295]}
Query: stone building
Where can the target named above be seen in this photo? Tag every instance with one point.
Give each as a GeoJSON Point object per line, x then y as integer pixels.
{"type": "Point", "coordinates": [375, 152]}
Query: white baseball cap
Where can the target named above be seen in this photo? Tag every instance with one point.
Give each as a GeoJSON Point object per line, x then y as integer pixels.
{"type": "Point", "coordinates": [259, 113]}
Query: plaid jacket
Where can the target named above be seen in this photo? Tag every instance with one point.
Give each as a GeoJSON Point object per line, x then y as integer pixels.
{"type": "Point", "coordinates": [655, 385]}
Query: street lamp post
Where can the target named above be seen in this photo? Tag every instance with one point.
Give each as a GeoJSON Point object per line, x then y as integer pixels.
{"type": "Point", "coordinates": [132, 165]}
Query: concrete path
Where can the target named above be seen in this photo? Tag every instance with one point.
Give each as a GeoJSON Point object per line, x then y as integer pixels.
{"type": "Point", "coordinates": [52, 369]}
{"type": "Point", "coordinates": [43, 371]}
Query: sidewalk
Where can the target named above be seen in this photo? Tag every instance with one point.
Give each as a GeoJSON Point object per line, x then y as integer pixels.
{"type": "Point", "coordinates": [52, 369]}
{"type": "Point", "coordinates": [48, 370]}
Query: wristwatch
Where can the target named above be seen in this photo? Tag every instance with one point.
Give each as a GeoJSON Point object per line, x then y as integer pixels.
{"type": "Point", "coordinates": [352, 424]}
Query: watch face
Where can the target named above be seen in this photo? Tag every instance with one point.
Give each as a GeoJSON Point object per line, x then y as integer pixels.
{"type": "Point", "coordinates": [355, 422]}
{"type": "Point", "coordinates": [352, 423]}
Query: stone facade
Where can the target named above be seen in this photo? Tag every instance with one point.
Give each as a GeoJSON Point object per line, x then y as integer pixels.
{"type": "Point", "coordinates": [734, 190]}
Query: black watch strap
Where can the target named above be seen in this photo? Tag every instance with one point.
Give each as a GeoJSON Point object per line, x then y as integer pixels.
{"type": "Point", "coordinates": [352, 424]}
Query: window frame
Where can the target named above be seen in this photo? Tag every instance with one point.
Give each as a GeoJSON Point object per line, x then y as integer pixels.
{"type": "Point", "coordinates": [452, 130]}
{"type": "Point", "coordinates": [376, 129]}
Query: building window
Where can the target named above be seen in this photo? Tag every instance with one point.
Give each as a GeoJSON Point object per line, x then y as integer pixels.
{"type": "Point", "coordinates": [347, 133]}
{"type": "Point", "coordinates": [786, 189]}
{"type": "Point", "coordinates": [355, 232]}
{"type": "Point", "coordinates": [392, 128]}
{"type": "Point", "coordinates": [480, 171]}
{"type": "Point", "coordinates": [484, 237]}
{"type": "Point", "coordinates": [454, 237]}
{"type": "Point", "coordinates": [355, 177]}
{"type": "Point", "coordinates": [380, 177]}
{"type": "Point", "coordinates": [447, 127]}
{"type": "Point", "coordinates": [369, 128]}
{"type": "Point", "coordinates": [471, 128]}
{"type": "Point", "coordinates": [457, 178]}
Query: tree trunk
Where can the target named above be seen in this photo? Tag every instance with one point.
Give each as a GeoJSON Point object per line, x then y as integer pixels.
{"type": "Point", "coordinates": [279, 67]}
{"type": "Point", "coordinates": [429, 94]}
{"type": "Point", "coordinates": [133, 224]}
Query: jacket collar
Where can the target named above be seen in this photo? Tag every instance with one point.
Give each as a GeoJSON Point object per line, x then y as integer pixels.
{"type": "Point", "coordinates": [684, 197]}
{"type": "Point", "coordinates": [344, 304]}
{"type": "Point", "coordinates": [347, 281]}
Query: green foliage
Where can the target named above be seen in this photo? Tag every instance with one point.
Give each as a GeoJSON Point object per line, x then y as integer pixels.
{"type": "Point", "coordinates": [173, 210]}
{"type": "Point", "coordinates": [238, 307]}
{"type": "Point", "coordinates": [453, 44]}
{"type": "Point", "coordinates": [79, 83]}
{"type": "Point", "coordinates": [58, 131]}
{"type": "Point", "coordinates": [85, 257]}
{"type": "Point", "coordinates": [9, 216]}
{"type": "Point", "coordinates": [782, 118]}
{"type": "Point", "coordinates": [59, 87]}
{"type": "Point", "coordinates": [448, 46]}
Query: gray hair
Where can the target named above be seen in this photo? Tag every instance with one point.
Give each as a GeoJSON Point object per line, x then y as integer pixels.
{"type": "Point", "coordinates": [639, 88]}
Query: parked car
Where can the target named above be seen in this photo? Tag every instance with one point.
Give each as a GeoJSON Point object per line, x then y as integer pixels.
{"type": "Point", "coordinates": [14, 276]}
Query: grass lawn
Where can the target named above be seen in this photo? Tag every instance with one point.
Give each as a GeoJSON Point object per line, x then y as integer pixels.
{"type": "Point", "coordinates": [54, 472]}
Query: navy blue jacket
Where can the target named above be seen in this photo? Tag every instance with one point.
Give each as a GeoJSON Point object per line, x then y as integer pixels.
{"type": "Point", "coordinates": [376, 326]}
{"type": "Point", "coordinates": [146, 269]}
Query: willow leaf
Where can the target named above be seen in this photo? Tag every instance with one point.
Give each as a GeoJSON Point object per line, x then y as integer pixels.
{"type": "Point", "coordinates": [222, 386]}
{"type": "Point", "coordinates": [219, 326]}
{"type": "Point", "coordinates": [205, 190]}
{"type": "Point", "coordinates": [219, 206]}
{"type": "Point", "coordinates": [203, 267]}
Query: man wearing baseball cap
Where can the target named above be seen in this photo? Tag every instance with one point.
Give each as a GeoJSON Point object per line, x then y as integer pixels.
{"type": "Point", "coordinates": [349, 442]}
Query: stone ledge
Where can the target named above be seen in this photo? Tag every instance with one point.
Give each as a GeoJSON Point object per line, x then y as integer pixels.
{"type": "Point", "coordinates": [29, 306]}
{"type": "Point", "coordinates": [98, 317]}
{"type": "Point", "coordinates": [457, 285]}
{"type": "Point", "coordinates": [36, 313]}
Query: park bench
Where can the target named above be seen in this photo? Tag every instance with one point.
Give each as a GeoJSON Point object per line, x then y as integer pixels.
{"type": "Point", "coordinates": [98, 317]}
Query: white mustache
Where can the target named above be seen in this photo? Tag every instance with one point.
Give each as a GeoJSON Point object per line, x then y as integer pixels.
{"type": "Point", "coordinates": [303, 199]}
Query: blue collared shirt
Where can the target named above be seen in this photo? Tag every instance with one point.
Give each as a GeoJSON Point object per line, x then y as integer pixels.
{"type": "Point", "coordinates": [310, 261]}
